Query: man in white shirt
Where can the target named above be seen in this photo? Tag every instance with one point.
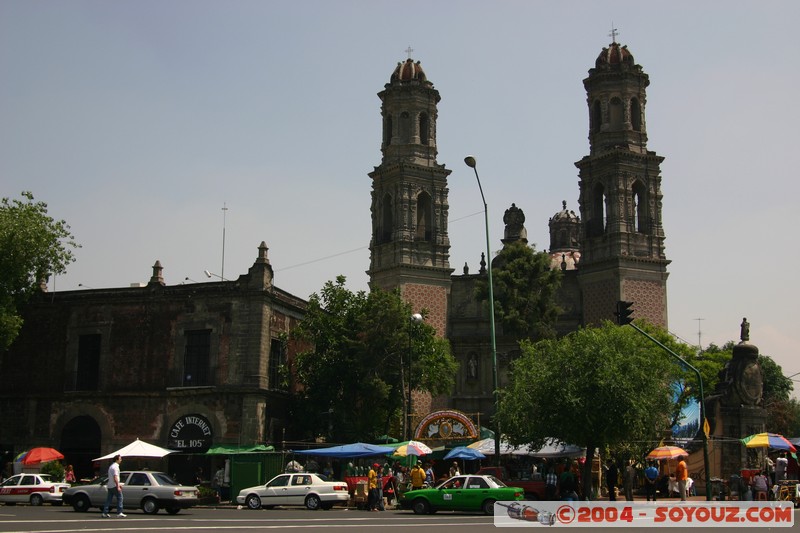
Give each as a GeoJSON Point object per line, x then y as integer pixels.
{"type": "Point", "coordinates": [114, 487]}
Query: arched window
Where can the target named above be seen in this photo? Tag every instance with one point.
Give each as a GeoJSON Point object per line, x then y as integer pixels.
{"type": "Point", "coordinates": [424, 129]}
{"type": "Point", "coordinates": [385, 232]}
{"type": "Point", "coordinates": [597, 117]}
{"type": "Point", "coordinates": [615, 114]}
{"type": "Point", "coordinates": [405, 128]}
{"type": "Point", "coordinates": [597, 224]}
{"type": "Point", "coordinates": [387, 130]}
{"type": "Point", "coordinates": [640, 206]}
{"type": "Point", "coordinates": [424, 217]}
{"type": "Point", "coordinates": [636, 115]}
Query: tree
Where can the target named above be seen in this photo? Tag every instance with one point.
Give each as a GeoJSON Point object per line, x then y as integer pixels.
{"type": "Point", "coordinates": [524, 287]}
{"type": "Point", "coordinates": [595, 387]}
{"type": "Point", "coordinates": [33, 246]}
{"type": "Point", "coordinates": [353, 376]}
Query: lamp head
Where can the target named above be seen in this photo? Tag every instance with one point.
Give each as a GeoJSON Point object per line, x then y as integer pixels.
{"type": "Point", "coordinates": [470, 161]}
{"type": "Point", "coordinates": [208, 274]}
{"type": "Point", "coordinates": [416, 318]}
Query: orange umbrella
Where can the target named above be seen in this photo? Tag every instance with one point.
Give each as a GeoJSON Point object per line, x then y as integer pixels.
{"type": "Point", "coordinates": [42, 455]}
{"type": "Point", "coordinates": [667, 452]}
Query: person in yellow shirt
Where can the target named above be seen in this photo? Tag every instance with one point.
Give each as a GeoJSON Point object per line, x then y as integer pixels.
{"type": "Point", "coordinates": [372, 485]}
{"type": "Point", "coordinates": [417, 476]}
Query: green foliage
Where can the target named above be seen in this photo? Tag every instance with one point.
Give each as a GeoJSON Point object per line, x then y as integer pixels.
{"type": "Point", "coordinates": [33, 246]}
{"type": "Point", "coordinates": [596, 387]}
{"type": "Point", "coordinates": [777, 387]}
{"type": "Point", "coordinates": [54, 469]}
{"type": "Point", "coordinates": [524, 289]}
{"type": "Point", "coordinates": [352, 379]}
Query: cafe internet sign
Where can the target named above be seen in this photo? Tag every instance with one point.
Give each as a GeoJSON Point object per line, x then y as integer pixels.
{"type": "Point", "coordinates": [191, 434]}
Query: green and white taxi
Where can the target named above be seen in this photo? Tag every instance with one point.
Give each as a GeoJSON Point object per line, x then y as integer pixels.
{"type": "Point", "coordinates": [461, 493]}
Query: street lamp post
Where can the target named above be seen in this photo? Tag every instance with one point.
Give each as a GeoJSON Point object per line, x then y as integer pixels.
{"type": "Point", "coordinates": [416, 318]}
{"type": "Point", "coordinates": [471, 163]}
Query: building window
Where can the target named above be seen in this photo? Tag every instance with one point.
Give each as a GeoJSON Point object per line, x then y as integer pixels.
{"type": "Point", "coordinates": [424, 129]}
{"type": "Point", "coordinates": [615, 114]}
{"type": "Point", "coordinates": [385, 231]}
{"type": "Point", "coordinates": [278, 373]}
{"type": "Point", "coordinates": [597, 117]}
{"type": "Point", "coordinates": [197, 358]}
{"type": "Point", "coordinates": [87, 371]}
{"type": "Point", "coordinates": [639, 207]}
{"type": "Point", "coordinates": [424, 216]}
{"type": "Point", "coordinates": [636, 115]}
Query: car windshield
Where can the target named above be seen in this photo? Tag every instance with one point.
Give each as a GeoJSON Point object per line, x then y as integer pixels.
{"type": "Point", "coordinates": [10, 481]}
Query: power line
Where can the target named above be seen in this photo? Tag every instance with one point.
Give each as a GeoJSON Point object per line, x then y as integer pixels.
{"type": "Point", "coordinates": [312, 261]}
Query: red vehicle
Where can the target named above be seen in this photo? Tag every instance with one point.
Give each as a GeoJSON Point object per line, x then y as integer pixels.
{"type": "Point", "coordinates": [534, 490]}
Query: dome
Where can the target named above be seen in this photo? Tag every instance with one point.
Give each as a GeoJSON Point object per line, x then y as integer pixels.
{"type": "Point", "coordinates": [614, 55]}
{"type": "Point", "coordinates": [565, 214]}
{"type": "Point", "coordinates": [408, 71]}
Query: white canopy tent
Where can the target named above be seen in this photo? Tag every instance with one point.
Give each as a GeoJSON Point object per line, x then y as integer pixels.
{"type": "Point", "coordinates": [552, 448]}
{"type": "Point", "coordinates": [137, 448]}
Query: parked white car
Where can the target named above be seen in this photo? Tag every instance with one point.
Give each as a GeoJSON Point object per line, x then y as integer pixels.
{"type": "Point", "coordinates": [35, 489]}
{"type": "Point", "coordinates": [295, 489]}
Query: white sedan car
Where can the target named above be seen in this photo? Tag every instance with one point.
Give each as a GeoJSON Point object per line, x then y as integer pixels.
{"type": "Point", "coordinates": [35, 489]}
{"type": "Point", "coordinates": [295, 489]}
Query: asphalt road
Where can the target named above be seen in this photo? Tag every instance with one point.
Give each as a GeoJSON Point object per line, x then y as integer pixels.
{"type": "Point", "coordinates": [50, 519]}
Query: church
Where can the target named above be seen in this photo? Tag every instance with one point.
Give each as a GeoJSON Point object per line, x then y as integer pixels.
{"type": "Point", "coordinates": [612, 250]}
{"type": "Point", "coordinates": [208, 364]}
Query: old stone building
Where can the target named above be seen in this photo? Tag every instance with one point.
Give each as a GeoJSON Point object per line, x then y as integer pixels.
{"type": "Point", "coordinates": [184, 366]}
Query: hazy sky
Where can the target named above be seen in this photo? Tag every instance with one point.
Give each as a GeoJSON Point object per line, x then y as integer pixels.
{"type": "Point", "coordinates": [137, 121]}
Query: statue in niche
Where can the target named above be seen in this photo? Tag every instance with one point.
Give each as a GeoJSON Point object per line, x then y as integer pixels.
{"type": "Point", "coordinates": [472, 367]}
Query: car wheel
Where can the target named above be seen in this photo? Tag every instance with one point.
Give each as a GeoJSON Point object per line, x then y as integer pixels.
{"type": "Point", "coordinates": [420, 506]}
{"type": "Point", "coordinates": [36, 499]}
{"type": "Point", "coordinates": [313, 502]}
{"type": "Point", "coordinates": [253, 502]}
{"type": "Point", "coordinates": [173, 510]}
{"type": "Point", "coordinates": [149, 506]}
{"type": "Point", "coordinates": [488, 507]}
{"type": "Point", "coordinates": [81, 503]}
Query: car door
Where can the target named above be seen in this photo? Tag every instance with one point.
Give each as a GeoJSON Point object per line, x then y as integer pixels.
{"type": "Point", "coordinates": [450, 494]}
{"type": "Point", "coordinates": [9, 490]}
{"type": "Point", "coordinates": [276, 490]}
{"type": "Point", "coordinates": [476, 490]}
{"type": "Point", "coordinates": [298, 488]}
{"type": "Point", "coordinates": [135, 486]}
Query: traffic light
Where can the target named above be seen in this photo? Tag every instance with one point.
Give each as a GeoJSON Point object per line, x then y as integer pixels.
{"type": "Point", "coordinates": [624, 312]}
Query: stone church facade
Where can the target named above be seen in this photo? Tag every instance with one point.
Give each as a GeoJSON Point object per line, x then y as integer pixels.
{"type": "Point", "coordinates": [202, 364]}
{"type": "Point", "coordinates": [613, 250]}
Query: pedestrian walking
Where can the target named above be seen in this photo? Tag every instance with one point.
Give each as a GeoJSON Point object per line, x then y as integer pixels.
{"type": "Point", "coordinates": [114, 487]}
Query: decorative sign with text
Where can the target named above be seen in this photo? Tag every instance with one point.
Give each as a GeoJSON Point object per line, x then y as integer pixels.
{"type": "Point", "coordinates": [191, 434]}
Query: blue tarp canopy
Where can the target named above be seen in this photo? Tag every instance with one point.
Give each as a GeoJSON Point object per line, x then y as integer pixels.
{"type": "Point", "coordinates": [358, 449]}
{"type": "Point", "coordinates": [462, 452]}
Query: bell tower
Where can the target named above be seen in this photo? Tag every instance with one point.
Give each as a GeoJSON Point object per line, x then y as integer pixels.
{"type": "Point", "coordinates": [410, 248]}
{"type": "Point", "coordinates": [622, 253]}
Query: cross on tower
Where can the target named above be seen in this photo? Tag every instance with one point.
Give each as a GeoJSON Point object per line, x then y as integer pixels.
{"type": "Point", "coordinates": [408, 51]}
{"type": "Point", "coordinates": [613, 34]}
